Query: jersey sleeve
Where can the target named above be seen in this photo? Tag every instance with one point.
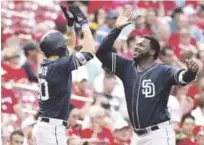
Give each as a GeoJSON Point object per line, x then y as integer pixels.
{"type": "Point", "coordinates": [109, 59]}
{"type": "Point", "coordinates": [115, 63]}
{"type": "Point", "coordinates": [175, 75]}
{"type": "Point", "coordinates": [73, 61]}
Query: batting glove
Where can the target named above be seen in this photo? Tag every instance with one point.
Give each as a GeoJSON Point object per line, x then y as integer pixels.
{"type": "Point", "coordinates": [70, 19]}
{"type": "Point", "coordinates": [78, 15]}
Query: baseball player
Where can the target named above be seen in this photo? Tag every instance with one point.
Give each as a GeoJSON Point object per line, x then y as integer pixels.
{"type": "Point", "coordinates": [55, 80]}
{"type": "Point", "coordinates": [147, 85]}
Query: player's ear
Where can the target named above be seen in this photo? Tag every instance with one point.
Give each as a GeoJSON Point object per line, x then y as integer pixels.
{"type": "Point", "coordinates": [152, 52]}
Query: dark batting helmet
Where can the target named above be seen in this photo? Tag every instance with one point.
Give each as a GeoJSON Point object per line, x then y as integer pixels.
{"type": "Point", "coordinates": [53, 43]}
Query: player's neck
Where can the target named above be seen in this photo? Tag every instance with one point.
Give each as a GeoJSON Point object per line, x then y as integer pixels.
{"type": "Point", "coordinates": [53, 57]}
{"type": "Point", "coordinates": [145, 63]}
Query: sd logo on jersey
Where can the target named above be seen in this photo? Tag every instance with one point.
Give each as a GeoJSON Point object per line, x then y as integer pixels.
{"type": "Point", "coordinates": [148, 88]}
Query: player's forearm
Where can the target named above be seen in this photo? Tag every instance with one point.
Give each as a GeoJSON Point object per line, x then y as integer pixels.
{"type": "Point", "coordinates": [186, 77]}
{"type": "Point", "coordinates": [189, 76]}
{"type": "Point", "coordinates": [88, 41]}
{"type": "Point", "coordinates": [71, 36]}
{"type": "Point", "coordinates": [107, 43]}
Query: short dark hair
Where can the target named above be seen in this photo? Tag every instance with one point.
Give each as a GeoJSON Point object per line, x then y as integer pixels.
{"type": "Point", "coordinates": [164, 49]}
{"type": "Point", "coordinates": [176, 11]}
{"type": "Point", "coordinates": [154, 43]}
{"type": "Point", "coordinates": [29, 46]}
{"type": "Point", "coordinates": [184, 117]}
{"type": "Point", "coordinates": [16, 132]}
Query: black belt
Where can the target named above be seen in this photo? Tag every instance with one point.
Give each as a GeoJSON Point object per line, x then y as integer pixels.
{"type": "Point", "coordinates": [45, 119]}
{"type": "Point", "coordinates": [145, 130]}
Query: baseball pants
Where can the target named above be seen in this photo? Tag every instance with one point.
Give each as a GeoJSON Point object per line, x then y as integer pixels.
{"type": "Point", "coordinates": [52, 133]}
{"type": "Point", "coordinates": [165, 135]}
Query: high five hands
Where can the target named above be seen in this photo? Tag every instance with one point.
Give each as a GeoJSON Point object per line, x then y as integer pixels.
{"type": "Point", "coordinates": [124, 19]}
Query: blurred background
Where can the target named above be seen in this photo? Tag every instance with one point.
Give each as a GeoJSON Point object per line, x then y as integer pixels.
{"type": "Point", "coordinates": [99, 114]}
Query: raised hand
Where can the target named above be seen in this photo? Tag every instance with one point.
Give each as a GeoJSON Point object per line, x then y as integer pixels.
{"type": "Point", "coordinates": [192, 65]}
{"type": "Point", "coordinates": [124, 19]}
{"type": "Point", "coordinates": [78, 15]}
{"type": "Point", "coordinates": [70, 19]}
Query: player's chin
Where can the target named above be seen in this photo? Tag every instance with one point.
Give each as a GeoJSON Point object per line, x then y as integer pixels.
{"type": "Point", "coordinates": [136, 56]}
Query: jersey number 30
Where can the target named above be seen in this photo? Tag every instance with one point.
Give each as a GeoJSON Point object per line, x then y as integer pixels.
{"type": "Point", "coordinates": [44, 94]}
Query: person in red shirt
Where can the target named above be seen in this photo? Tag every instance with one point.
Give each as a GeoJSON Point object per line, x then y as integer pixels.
{"type": "Point", "coordinates": [148, 4]}
{"type": "Point", "coordinates": [97, 130]}
{"type": "Point", "coordinates": [80, 88]}
{"type": "Point", "coordinates": [10, 64]}
{"type": "Point", "coordinates": [11, 110]}
{"type": "Point", "coordinates": [9, 100]}
{"type": "Point", "coordinates": [74, 127]}
{"type": "Point", "coordinates": [185, 43]}
{"type": "Point", "coordinates": [187, 123]}
{"type": "Point", "coordinates": [198, 131]}
{"type": "Point", "coordinates": [121, 134]}
{"type": "Point", "coordinates": [140, 27]}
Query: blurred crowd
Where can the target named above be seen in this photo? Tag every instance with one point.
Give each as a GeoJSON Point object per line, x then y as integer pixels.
{"type": "Point", "coordinates": [99, 115]}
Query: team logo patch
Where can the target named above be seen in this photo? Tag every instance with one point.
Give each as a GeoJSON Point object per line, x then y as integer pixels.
{"type": "Point", "coordinates": [148, 88]}
{"type": "Point", "coordinates": [81, 59]}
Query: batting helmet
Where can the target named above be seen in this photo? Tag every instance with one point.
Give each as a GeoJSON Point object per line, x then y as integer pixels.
{"type": "Point", "coordinates": [53, 43]}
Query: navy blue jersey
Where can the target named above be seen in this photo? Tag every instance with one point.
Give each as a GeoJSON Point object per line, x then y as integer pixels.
{"type": "Point", "coordinates": [55, 81]}
{"type": "Point", "coordinates": [146, 91]}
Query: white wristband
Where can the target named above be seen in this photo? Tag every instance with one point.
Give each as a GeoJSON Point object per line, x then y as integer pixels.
{"type": "Point", "coordinates": [70, 29]}
{"type": "Point", "coordinates": [84, 26]}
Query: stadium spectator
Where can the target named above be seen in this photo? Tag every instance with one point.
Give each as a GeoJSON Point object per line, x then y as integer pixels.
{"type": "Point", "coordinates": [109, 25]}
{"type": "Point", "coordinates": [181, 38]}
{"type": "Point", "coordinates": [175, 17]}
{"type": "Point", "coordinates": [120, 133]}
{"type": "Point", "coordinates": [185, 43]}
{"type": "Point", "coordinates": [11, 65]}
{"type": "Point", "coordinates": [140, 27]}
{"type": "Point", "coordinates": [16, 138]}
{"type": "Point", "coordinates": [186, 136]}
{"type": "Point", "coordinates": [185, 101]}
{"type": "Point", "coordinates": [74, 126]}
{"type": "Point", "coordinates": [163, 33]}
{"type": "Point", "coordinates": [10, 104]}
{"type": "Point", "coordinates": [198, 131]}
{"type": "Point", "coordinates": [151, 20]}
{"type": "Point", "coordinates": [166, 55]}
{"type": "Point", "coordinates": [96, 129]}
{"type": "Point", "coordinates": [99, 17]}
{"type": "Point", "coordinates": [31, 51]}
{"type": "Point", "coordinates": [198, 112]}
{"type": "Point", "coordinates": [175, 112]}
{"type": "Point", "coordinates": [200, 16]}
{"type": "Point", "coordinates": [80, 89]}
{"type": "Point", "coordinates": [61, 23]}
{"type": "Point", "coordinates": [103, 78]}
{"type": "Point", "coordinates": [195, 31]}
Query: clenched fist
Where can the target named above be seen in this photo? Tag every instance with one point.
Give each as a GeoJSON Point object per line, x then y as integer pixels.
{"type": "Point", "coordinates": [192, 65]}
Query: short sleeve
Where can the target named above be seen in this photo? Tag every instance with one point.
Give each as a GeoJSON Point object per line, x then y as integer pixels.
{"type": "Point", "coordinates": [115, 63]}
{"type": "Point", "coordinates": [73, 61]}
{"type": "Point", "coordinates": [174, 75]}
